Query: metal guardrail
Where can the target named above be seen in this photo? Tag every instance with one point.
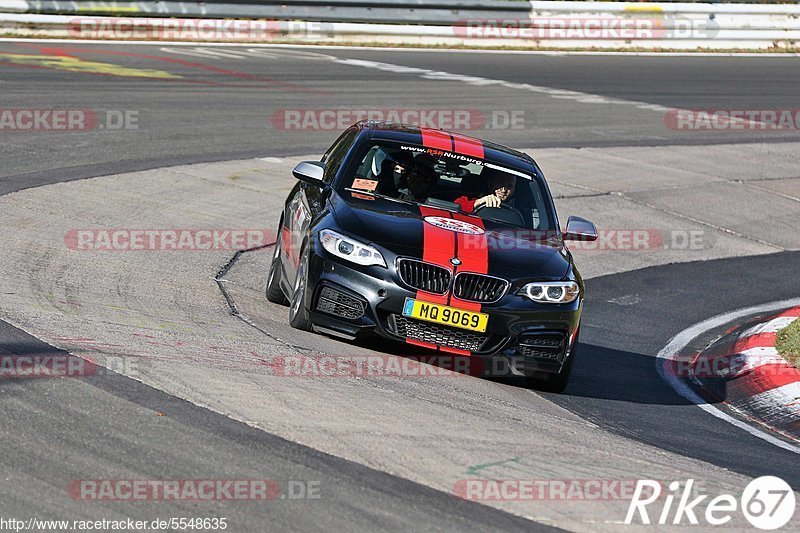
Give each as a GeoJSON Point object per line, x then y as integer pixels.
{"type": "Point", "coordinates": [428, 12]}
{"type": "Point", "coordinates": [437, 12]}
{"type": "Point", "coordinates": [495, 23]}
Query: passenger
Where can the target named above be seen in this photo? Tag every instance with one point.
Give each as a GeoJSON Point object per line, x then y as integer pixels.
{"type": "Point", "coordinates": [502, 186]}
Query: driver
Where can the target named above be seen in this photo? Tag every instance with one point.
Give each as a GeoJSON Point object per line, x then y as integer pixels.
{"type": "Point", "coordinates": [394, 173]}
{"type": "Point", "coordinates": [421, 180]}
{"type": "Point", "coordinates": [502, 186]}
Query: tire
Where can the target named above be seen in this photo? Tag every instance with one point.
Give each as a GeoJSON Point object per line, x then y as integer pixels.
{"type": "Point", "coordinates": [298, 314]}
{"type": "Point", "coordinates": [547, 382]}
{"type": "Point", "coordinates": [274, 291]}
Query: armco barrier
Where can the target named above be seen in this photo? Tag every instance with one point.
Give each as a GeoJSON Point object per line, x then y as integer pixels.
{"type": "Point", "coordinates": [428, 12]}
{"type": "Point", "coordinates": [432, 12]}
{"type": "Point", "coordinates": [495, 23]}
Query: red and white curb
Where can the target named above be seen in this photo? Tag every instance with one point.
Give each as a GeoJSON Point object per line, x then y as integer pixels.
{"type": "Point", "coordinates": [746, 373]}
{"type": "Point", "coordinates": [743, 371]}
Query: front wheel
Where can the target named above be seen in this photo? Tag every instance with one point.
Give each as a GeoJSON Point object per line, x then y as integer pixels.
{"type": "Point", "coordinates": [274, 291]}
{"type": "Point", "coordinates": [551, 382]}
{"type": "Point", "coordinates": [298, 314]}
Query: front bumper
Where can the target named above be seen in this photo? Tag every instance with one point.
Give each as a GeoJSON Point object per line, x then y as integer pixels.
{"type": "Point", "coordinates": [522, 336]}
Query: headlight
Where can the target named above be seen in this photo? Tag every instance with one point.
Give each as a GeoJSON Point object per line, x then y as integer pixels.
{"type": "Point", "coordinates": [554, 292]}
{"type": "Point", "coordinates": [350, 249]}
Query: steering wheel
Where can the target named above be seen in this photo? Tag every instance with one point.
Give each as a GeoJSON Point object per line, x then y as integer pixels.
{"type": "Point", "coordinates": [504, 213]}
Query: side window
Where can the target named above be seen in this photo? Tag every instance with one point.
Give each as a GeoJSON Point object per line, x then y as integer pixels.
{"type": "Point", "coordinates": [335, 155]}
{"type": "Point", "coordinates": [538, 213]}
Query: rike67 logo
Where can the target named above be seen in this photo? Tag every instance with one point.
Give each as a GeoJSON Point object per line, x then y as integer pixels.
{"type": "Point", "coordinates": [767, 502]}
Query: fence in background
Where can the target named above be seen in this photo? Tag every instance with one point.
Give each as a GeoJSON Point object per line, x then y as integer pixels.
{"type": "Point", "coordinates": [490, 23]}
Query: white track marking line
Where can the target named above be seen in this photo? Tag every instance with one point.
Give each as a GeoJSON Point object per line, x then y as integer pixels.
{"type": "Point", "coordinates": [563, 94]}
{"type": "Point", "coordinates": [414, 50]}
{"type": "Point", "coordinates": [761, 351]}
{"type": "Point", "coordinates": [750, 360]}
{"type": "Point", "coordinates": [769, 327]}
{"type": "Point", "coordinates": [784, 395]}
{"type": "Point", "coordinates": [239, 53]}
{"type": "Point", "coordinates": [201, 52]}
{"type": "Point", "coordinates": [679, 341]}
{"type": "Point", "coordinates": [437, 75]}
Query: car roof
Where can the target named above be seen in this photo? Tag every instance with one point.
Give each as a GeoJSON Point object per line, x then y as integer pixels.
{"type": "Point", "coordinates": [458, 143]}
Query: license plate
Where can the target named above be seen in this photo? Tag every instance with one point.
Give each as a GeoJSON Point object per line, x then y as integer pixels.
{"type": "Point", "coordinates": [443, 314]}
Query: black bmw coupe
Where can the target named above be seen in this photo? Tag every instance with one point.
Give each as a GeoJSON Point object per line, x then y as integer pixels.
{"type": "Point", "coordinates": [436, 239]}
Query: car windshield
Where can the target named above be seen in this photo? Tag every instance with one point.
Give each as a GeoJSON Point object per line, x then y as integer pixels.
{"type": "Point", "coordinates": [411, 174]}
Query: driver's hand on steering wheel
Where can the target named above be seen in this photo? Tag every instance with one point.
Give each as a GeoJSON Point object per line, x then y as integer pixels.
{"type": "Point", "coordinates": [490, 200]}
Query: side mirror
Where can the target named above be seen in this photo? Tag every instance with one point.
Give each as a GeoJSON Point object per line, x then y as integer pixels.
{"type": "Point", "coordinates": [580, 229]}
{"type": "Point", "coordinates": [310, 172]}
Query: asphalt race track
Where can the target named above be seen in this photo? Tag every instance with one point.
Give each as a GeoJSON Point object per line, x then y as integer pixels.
{"type": "Point", "coordinates": [199, 105]}
{"type": "Point", "coordinates": [232, 100]}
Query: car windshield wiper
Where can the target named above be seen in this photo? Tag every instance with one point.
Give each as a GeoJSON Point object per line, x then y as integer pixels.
{"type": "Point", "coordinates": [393, 199]}
{"type": "Point", "coordinates": [377, 195]}
{"type": "Point", "coordinates": [402, 201]}
{"type": "Point", "coordinates": [504, 222]}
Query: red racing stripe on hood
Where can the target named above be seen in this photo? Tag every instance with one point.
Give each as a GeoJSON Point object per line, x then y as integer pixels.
{"type": "Point", "coordinates": [438, 247]}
